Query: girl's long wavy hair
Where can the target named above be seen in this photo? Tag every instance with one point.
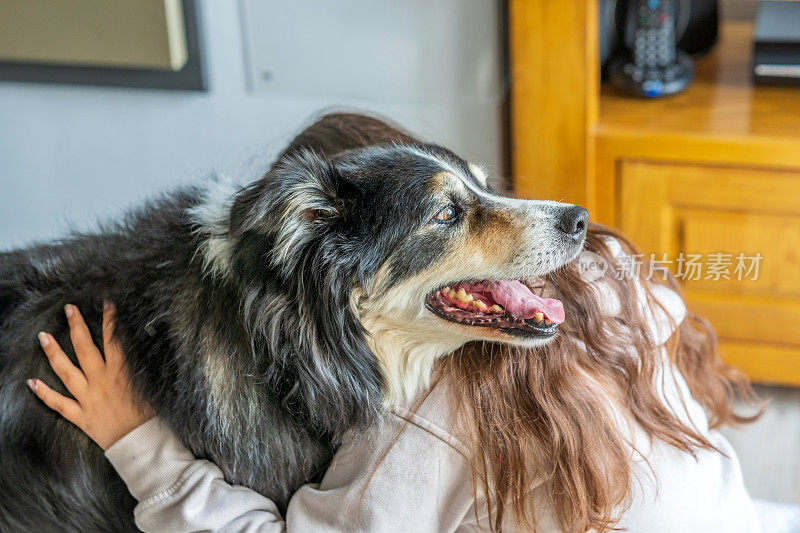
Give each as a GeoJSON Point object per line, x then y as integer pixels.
{"type": "Point", "coordinates": [543, 414]}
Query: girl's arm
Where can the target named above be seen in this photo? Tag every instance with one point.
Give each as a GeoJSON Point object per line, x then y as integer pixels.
{"type": "Point", "coordinates": [422, 482]}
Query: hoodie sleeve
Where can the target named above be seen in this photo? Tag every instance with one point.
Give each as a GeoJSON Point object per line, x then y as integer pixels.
{"type": "Point", "coordinates": [179, 493]}
{"type": "Point", "coordinates": [407, 472]}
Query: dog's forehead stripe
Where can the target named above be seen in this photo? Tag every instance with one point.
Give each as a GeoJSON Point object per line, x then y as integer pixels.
{"type": "Point", "coordinates": [464, 176]}
{"type": "Point", "coordinates": [443, 164]}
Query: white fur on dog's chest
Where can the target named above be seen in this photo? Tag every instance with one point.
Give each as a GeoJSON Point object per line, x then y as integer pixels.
{"type": "Point", "coordinates": [406, 358]}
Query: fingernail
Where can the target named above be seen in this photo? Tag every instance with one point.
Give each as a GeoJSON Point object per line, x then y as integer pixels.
{"type": "Point", "coordinates": [44, 340]}
{"type": "Point", "coordinates": [69, 309]}
{"type": "Point", "coordinates": [32, 384]}
{"type": "Point", "coordinates": [106, 305]}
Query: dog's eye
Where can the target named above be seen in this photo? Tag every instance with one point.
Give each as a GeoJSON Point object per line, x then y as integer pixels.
{"type": "Point", "coordinates": [447, 214]}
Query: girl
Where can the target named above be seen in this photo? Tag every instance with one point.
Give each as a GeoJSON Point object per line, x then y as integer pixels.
{"type": "Point", "coordinates": [611, 425]}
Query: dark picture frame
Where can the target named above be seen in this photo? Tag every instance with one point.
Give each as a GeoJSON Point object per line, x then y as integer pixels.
{"type": "Point", "coordinates": [192, 77]}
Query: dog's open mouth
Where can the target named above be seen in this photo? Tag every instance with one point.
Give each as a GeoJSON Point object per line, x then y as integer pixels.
{"type": "Point", "coordinates": [508, 305]}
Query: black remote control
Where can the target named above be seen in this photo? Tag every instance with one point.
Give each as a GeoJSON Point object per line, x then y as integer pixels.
{"type": "Point", "coordinates": [654, 65]}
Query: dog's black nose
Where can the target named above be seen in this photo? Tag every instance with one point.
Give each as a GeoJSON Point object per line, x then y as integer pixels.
{"type": "Point", "coordinates": [573, 221]}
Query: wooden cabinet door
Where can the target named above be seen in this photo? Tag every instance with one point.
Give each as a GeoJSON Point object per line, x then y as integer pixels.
{"type": "Point", "coordinates": [719, 213]}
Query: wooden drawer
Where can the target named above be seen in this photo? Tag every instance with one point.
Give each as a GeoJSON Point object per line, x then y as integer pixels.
{"type": "Point", "coordinates": [708, 210]}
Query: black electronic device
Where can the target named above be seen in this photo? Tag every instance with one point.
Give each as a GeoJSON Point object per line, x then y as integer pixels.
{"type": "Point", "coordinates": [696, 27]}
{"type": "Point", "coordinates": [651, 65]}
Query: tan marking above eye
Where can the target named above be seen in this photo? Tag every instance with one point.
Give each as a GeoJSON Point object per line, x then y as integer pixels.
{"type": "Point", "coordinates": [449, 187]}
{"type": "Point", "coordinates": [439, 181]}
{"type": "Point", "coordinates": [444, 180]}
{"type": "Point", "coordinates": [447, 181]}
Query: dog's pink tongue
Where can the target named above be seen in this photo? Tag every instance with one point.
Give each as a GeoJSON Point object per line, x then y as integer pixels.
{"type": "Point", "coordinates": [518, 300]}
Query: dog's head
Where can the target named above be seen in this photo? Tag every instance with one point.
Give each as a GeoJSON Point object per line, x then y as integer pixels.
{"type": "Point", "coordinates": [408, 241]}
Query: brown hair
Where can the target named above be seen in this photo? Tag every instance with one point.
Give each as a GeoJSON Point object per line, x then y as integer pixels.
{"type": "Point", "coordinates": [543, 413]}
{"type": "Point", "coordinates": [336, 132]}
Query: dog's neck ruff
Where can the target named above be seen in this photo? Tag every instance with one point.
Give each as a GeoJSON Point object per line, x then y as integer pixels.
{"type": "Point", "coordinates": [212, 218]}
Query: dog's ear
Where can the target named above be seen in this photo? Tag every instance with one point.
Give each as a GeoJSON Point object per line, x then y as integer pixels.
{"type": "Point", "coordinates": [298, 200]}
{"type": "Point", "coordinates": [303, 186]}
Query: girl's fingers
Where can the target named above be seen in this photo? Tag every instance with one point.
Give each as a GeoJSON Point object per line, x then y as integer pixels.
{"type": "Point", "coordinates": [111, 346]}
{"type": "Point", "coordinates": [69, 374]}
{"type": "Point", "coordinates": [66, 407]}
{"type": "Point", "coordinates": [89, 357]}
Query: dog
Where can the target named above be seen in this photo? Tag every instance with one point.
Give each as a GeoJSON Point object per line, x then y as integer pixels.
{"type": "Point", "coordinates": [264, 322]}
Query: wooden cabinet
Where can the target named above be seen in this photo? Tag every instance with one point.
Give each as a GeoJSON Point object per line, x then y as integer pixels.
{"type": "Point", "coordinates": [714, 170]}
{"type": "Point", "coordinates": [733, 235]}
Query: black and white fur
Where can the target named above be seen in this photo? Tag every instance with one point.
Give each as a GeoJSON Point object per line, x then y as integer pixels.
{"type": "Point", "coordinates": [262, 323]}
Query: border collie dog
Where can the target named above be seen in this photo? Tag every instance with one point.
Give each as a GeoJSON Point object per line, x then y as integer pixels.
{"type": "Point", "coordinates": [264, 322]}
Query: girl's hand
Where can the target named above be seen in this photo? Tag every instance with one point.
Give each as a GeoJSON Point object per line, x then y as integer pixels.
{"type": "Point", "coordinates": [106, 408]}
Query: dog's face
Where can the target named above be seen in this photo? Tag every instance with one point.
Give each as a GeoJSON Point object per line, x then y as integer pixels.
{"type": "Point", "coordinates": [426, 244]}
{"type": "Point", "coordinates": [465, 264]}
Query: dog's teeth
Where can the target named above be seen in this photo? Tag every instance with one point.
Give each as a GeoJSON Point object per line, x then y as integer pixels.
{"type": "Point", "coordinates": [538, 317]}
{"type": "Point", "coordinates": [479, 304]}
{"type": "Point", "coordinates": [446, 290]}
{"type": "Point", "coordinates": [452, 294]}
{"type": "Point", "coordinates": [497, 308]}
{"type": "Point", "coordinates": [463, 295]}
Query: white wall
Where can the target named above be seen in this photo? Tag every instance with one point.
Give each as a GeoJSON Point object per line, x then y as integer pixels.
{"type": "Point", "coordinates": [71, 155]}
